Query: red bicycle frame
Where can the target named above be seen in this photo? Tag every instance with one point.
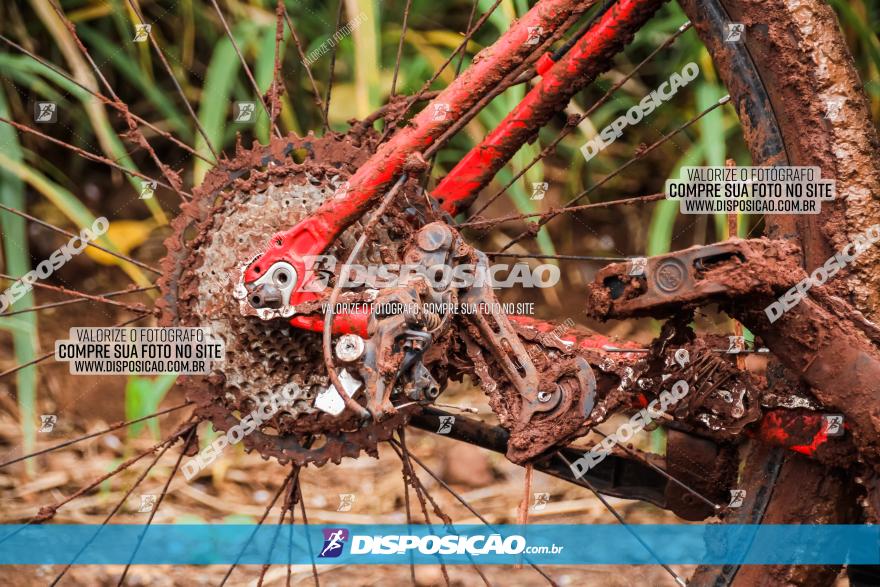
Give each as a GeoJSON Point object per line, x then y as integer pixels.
{"type": "Point", "coordinates": [578, 67]}
{"type": "Point", "coordinates": [585, 60]}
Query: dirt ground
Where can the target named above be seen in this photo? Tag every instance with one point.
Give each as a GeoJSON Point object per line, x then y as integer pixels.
{"type": "Point", "coordinates": [239, 486]}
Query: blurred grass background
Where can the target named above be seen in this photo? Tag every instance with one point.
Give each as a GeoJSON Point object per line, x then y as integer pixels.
{"type": "Point", "coordinates": [70, 191]}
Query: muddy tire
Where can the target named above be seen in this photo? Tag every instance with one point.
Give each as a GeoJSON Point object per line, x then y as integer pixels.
{"type": "Point", "coordinates": [800, 102]}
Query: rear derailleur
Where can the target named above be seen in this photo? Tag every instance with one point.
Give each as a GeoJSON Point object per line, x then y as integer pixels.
{"type": "Point", "coordinates": [408, 322]}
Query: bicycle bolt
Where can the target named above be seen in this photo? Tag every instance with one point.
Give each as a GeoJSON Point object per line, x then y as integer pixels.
{"type": "Point", "coordinates": [544, 396]}
{"type": "Point", "coordinates": [349, 348]}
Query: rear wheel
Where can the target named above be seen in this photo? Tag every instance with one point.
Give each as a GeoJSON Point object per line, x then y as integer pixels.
{"type": "Point", "coordinates": [792, 72]}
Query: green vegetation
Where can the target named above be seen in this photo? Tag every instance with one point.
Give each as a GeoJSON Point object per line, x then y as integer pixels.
{"type": "Point", "coordinates": [211, 77]}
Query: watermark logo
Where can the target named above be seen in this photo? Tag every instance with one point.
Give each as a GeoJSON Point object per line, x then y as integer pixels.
{"type": "Point", "coordinates": [637, 266]}
{"type": "Point", "coordinates": [47, 422]}
{"type": "Point", "coordinates": [440, 112]}
{"type": "Point", "coordinates": [344, 31]}
{"type": "Point", "coordinates": [833, 424]}
{"type": "Point", "coordinates": [546, 339]}
{"type": "Point", "coordinates": [142, 32]}
{"type": "Point", "coordinates": [737, 498]}
{"type": "Point", "coordinates": [833, 110]}
{"type": "Point", "coordinates": [734, 32]}
{"type": "Point", "coordinates": [341, 190]}
{"type": "Point", "coordinates": [264, 411]}
{"type": "Point", "coordinates": [244, 112]}
{"type": "Point", "coordinates": [334, 540]}
{"type": "Point", "coordinates": [45, 112]}
{"type": "Point", "coordinates": [535, 33]}
{"type": "Point", "coordinates": [346, 502]}
{"type": "Point", "coordinates": [446, 423]}
{"type": "Point", "coordinates": [641, 419]}
{"type": "Point", "coordinates": [539, 190]}
{"type": "Point", "coordinates": [644, 108]}
{"type": "Point", "coordinates": [432, 544]}
{"type": "Point", "coordinates": [56, 260]}
{"type": "Point", "coordinates": [320, 268]}
{"type": "Point", "coordinates": [541, 501]}
{"type": "Point", "coordinates": [791, 298]}
{"type": "Point", "coordinates": [148, 189]}
{"type": "Point", "coordinates": [148, 503]}
{"type": "Point", "coordinates": [736, 344]}
{"type": "Point", "coordinates": [782, 189]}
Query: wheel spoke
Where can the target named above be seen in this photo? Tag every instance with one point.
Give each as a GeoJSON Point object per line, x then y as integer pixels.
{"type": "Point", "coordinates": [302, 56]}
{"type": "Point", "coordinates": [140, 139]}
{"type": "Point", "coordinates": [89, 243]}
{"type": "Point", "coordinates": [266, 565]}
{"type": "Point", "coordinates": [302, 509]}
{"type": "Point", "coordinates": [115, 509]}
{"type": "Point", "coordinates": [94, 434]}
{"type": "Point", "coordinates": [620, 519]}
{"type": "Point", "coordinates": [48, 512]}
{"type": "Point", "coordinates": [180, 91]}
{"type": "Point", "coordinates": [463, 502]}
{"type": "Point", "coordinates": [558, 257]}
{"type": "Point", "coordinates": [400, 47]}
{"type": "Point", "coordinates": [186, 443]}
{"type": "Point", "coordinates": [291, 477]}
{"type": "Point", "coordinates": [421, 494]}
{"type": "Point", "coordinates": [468, 28]}
{"type": "Point", "coordinates": [332, 68]}
{"type": "Point", "coordinates": [39, 359]}
{"type": "Point", "coordinates": [483, 224]}
{"type": "Point", "coordinates": [433, 160]}
{"type": "Point", "coordinates": [510, 80]}
{"type": "Point", "coordinates": [92, 156]}
{"type": "Point", "coordinates": [716, 507]}
{"type": "Point", "coordinates": [80, 295]}
{"type": "Point", "coordinates": [417, 485]}
{"type": "Point", "coordinates": [277, 81]}
{"type": "Point", "coordinates": [545, 219]}
{"type": "Point", "coordinates": [426, 87]}
{"type": "Point", "coordinates": [105, 100]}
{"type": "Point", "coordinates": [111, 294]}
{"type": "Point", "coordinates": [246, 67]}
{"type": "Point", "coordinates": [570, 126]}
{"type": "Point", "coordinates": [404, 472]}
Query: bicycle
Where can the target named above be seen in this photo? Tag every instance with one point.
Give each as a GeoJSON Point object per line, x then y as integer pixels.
{"type": "Point", "coordinates": [362, 196]}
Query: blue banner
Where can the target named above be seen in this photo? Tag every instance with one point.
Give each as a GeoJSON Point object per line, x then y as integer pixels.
{"type": "Point", "coordinates": [548, 544]}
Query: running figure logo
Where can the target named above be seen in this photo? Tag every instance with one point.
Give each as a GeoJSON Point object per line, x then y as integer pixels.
{"type": "Point", "coordinates": [833, 424]}
{"type": "Point", "coordinates": [736, 344]}
{"type": "Point", "coordinates": [45, 112]}
{"type": "Point", "coordinates": [346, 502]}
{"type": "Point", "coordinates": [441, 111]}
{"type": "Point", "coordinates": [535, 33]}
{"type": "Point", "coordinates": [541, 501]}
{"type": "Point", "coordinates": [148, 502]}
{"type": "Point", "coordinates": [637, 266]}
{"type": "Point", "coordinates": [446, 423]}
{"type": "Point", "coordinates": [539, 190]}
{"type": "Point", "coordinates": [334, 540]}
{"type": "Point", "coordinates": [148, 189]}
{"type": "Point", "coordinates": [244, 111]}
{"type": "Point", "coordinates": [141, 33]}
{"type": "Point", "coordinates": [47, 422]}
{"type": "Point", "coordinates": [737, 497]}
{"type": "Point", "coordinates": [735, 32]}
